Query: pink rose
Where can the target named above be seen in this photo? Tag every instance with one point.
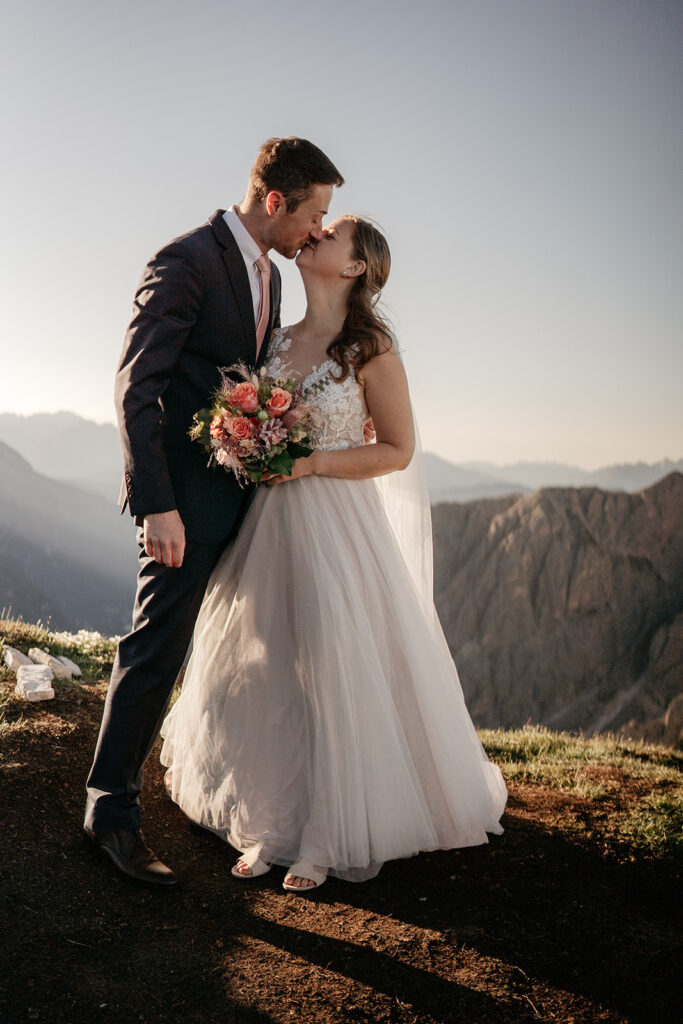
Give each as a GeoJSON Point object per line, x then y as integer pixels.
{"type": "Point", "coordinates": [292, 416]}
{"type": "Point", "coordinates": [279, 402]}
{"type": "Point", "coordinates": [244, 396]}
{"type": "Point", "coordinates": [239, 427]}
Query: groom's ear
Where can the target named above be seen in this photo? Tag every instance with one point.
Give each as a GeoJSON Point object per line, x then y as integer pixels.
{"type": "Point", "coordinates": [275, 201]}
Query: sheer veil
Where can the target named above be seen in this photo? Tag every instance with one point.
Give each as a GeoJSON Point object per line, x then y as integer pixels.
{"type": "Point", "coordinates": [405, 496]}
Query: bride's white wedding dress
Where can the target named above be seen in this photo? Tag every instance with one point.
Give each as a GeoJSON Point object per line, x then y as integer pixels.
{"type": "Point", "coordinates": [321, 715]}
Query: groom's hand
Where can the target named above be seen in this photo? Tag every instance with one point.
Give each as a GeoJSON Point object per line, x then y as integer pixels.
{"type": "Point", "coordinates": [164, 536]}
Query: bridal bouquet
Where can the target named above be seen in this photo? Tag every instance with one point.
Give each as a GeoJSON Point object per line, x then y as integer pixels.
{"type": "Point", "coordinates": [257, 424]}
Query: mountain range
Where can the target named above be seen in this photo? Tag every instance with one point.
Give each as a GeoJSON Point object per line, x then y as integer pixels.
{"type": "Point", "coordinates": [471, 480]}
{"type": "Point", "coordinates": [69, 448]}
{"type": "Point", "coordinates": [561, 606]}
{"type": "Point", "coordinates": [66, 555]}
{"type": "Point", "coordinates": [564, 606]}
{"type": "Point", "coordinates": [88, 455]}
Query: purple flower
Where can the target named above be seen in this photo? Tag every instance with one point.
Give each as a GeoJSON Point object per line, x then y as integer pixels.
{"type": "Point", "coordinates": [272, 432]}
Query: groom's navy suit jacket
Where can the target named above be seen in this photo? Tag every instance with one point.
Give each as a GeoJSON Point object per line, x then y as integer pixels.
{"type": "Point", "coordinates": [193, 314]}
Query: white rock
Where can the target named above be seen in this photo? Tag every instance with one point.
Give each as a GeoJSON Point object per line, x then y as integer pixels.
{"type": "Point", "coordinates": [44, 658]}
{"type": "Point", "coordinates": [39, 673]}
{"type": "Point", "coordinates": [14, 659]}
{"type": "Point", "coordinates": [33, 682]}
{"type": "Point", "coordinates": [39, 693]}
{"type": "Point", "coordinates": [71, 665]}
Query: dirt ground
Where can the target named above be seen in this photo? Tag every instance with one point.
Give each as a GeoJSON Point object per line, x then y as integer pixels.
{"type": "Point", "coordinates": [536, 926]}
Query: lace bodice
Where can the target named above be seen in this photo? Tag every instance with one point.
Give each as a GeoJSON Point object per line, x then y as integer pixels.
{"type": "Point", "coordinates": [339, 409]}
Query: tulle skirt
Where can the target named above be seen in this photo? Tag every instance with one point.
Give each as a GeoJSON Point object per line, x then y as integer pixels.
{"type": "Point", "coordinates": [321, 714]}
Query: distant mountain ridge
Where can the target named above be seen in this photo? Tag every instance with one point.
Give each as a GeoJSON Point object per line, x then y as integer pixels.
{"type": "Point", "coordinates": [67, 447]}
{"type": "Point", "coordinates": [65, 554]}
{"type": "Point", "coordinates": [86, 454]}
{"type": "Point", "coordinates": [628, 476]}
{"type": "Point", "coordinates": [471, 480]}
{"type": "Point", "coordinates": [450, 482]}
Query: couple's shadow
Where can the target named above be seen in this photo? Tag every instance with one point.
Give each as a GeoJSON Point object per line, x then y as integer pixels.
{"type": "Point", "coordinates": [354, 957]}
{"type": "Point", "coordinates": [535, 907]}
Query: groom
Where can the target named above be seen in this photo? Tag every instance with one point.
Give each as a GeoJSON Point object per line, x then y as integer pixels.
{"type": "Point", "coordinates": [208, 299]}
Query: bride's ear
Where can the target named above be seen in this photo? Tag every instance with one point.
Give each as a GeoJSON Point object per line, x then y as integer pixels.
{"type": "Point", "coordinates": [354, 269]}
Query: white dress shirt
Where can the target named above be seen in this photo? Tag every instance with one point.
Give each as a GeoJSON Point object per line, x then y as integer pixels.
{"type": "Point", "coordinates": [251, 251]}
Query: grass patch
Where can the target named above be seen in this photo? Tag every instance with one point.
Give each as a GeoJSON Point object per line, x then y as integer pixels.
{"type": "Point", "coordinates": [655, 826]}
{"type": "Point", "coordinates": [537, 754]}
{"type": "Point", "coordinates": [92, 652]}
{"type": "Point", "coordinates": [12, 708]}
{"type": "Point", "coordinates": [629, 794]}
{"type": "Point", "coordinates": [5, 699]}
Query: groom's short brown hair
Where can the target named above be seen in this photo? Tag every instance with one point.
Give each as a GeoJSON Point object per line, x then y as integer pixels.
{"type": "Point", "coordinates": [291, 166]}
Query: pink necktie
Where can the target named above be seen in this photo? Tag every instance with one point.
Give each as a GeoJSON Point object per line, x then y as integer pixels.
{"type": "Point", "coordinates": [263, 264]}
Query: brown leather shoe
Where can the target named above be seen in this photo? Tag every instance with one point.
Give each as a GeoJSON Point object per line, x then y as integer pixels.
{"type": "Point", "coordinates": [127, 851]}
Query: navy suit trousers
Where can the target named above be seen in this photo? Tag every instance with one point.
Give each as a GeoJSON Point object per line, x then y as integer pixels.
{"type": "Point", "coordinates": [147, 664]}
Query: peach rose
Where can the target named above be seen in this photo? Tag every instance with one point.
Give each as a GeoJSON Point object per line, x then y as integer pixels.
{"type": "Point", "coordinates": [244, 396]}
{"type": "Point", "coordinates": [279, 402]}
{"type": "Point", "coordinates": [239, 427]}
{"type": "Point", "coordinates": [215, 427]}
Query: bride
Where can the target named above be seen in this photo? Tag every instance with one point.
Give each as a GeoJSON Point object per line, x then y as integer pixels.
{"type": "Point", "coordinates": [321, 723]}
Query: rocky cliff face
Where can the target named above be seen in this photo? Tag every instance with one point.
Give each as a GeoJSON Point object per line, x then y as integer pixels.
{"type": "Point", "coordinates": [564, 606]}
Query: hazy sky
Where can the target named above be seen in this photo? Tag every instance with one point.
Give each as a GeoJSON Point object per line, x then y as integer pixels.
{"type": "Point", "coordinates": [523, 156]}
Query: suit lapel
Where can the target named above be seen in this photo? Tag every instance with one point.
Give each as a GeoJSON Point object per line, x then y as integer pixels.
{"type": "Point", "coordinates": [274, 295]}
{"type": "Point", "coordinates": [238, 278]}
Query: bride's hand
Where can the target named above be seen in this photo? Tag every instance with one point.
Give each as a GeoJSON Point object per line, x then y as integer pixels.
{"type": "Point", "coordinates": [301, 467]}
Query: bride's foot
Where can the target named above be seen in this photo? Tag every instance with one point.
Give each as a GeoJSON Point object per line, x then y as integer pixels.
{"type": "Point", "coordinates": [249, 868]}
{"type": "Point", "coordinates": [298, 882]}
{"type": "Point", "coordinates": [303, 876]}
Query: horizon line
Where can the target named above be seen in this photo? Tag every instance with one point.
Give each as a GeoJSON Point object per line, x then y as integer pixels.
{"type": "Point", "coordinates": [467, 462]}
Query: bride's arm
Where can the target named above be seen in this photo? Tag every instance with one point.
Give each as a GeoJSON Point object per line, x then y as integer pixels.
{"type": "Point", "coordinates": [386, 394]}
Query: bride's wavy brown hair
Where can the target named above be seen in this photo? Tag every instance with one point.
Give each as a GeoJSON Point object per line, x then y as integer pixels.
{"type": "Point", "coordinates": [365, 332]}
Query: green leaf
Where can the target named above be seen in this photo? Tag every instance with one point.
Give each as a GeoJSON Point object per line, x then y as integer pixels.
{"type": "Point", "coordinates": [299, 451]}
{"type": "Point", "coordinates": [281, 463]}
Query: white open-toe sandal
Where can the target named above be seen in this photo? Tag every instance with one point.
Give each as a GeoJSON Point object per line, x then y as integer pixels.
{"type": "Point", "coordinates": [304, 869]}
{"type": "Point", "coordinates": [253, 862]}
